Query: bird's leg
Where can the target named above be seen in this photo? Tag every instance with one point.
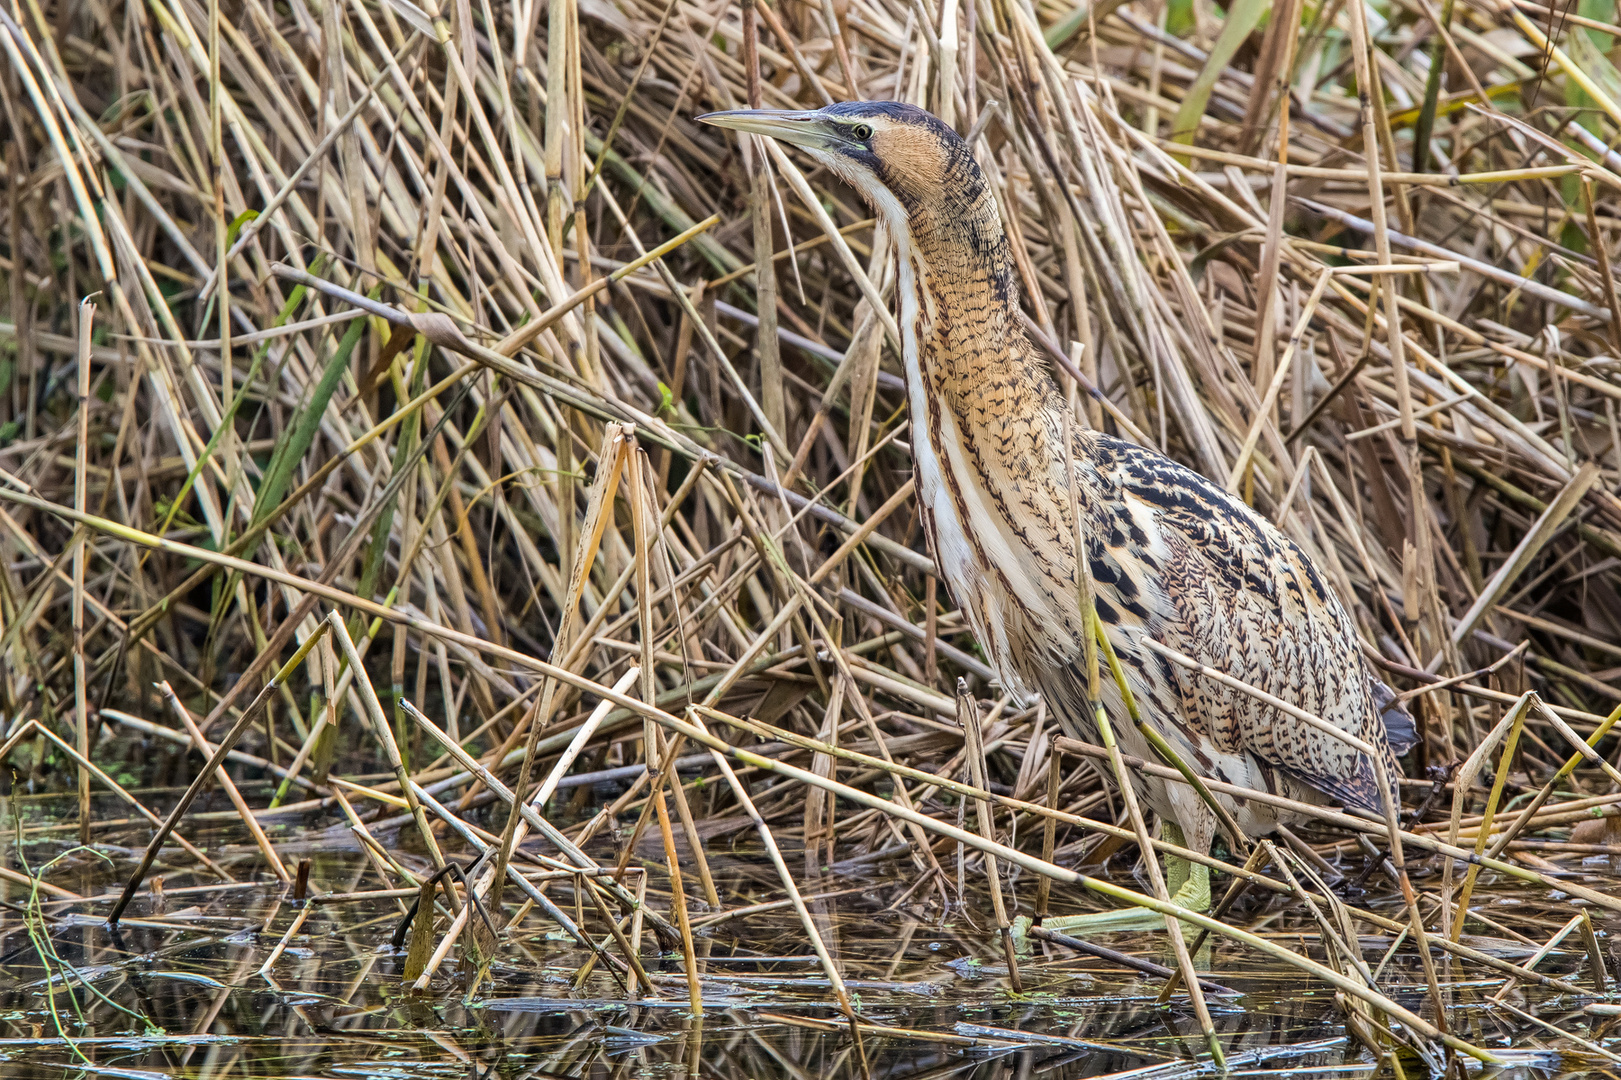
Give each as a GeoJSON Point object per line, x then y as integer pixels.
{"type": "Point", "coordinates": [1187, 882]}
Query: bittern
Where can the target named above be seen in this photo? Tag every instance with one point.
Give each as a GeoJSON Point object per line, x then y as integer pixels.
{"type": "Point", "coordinates": [1173, 557]}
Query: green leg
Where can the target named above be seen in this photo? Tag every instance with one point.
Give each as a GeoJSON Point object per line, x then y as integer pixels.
{"type": "Point", "coordinates": [1187, 882]}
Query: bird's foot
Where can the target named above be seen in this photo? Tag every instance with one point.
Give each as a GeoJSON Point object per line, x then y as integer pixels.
{"type": "Point", "coordinates": [1192, 885]}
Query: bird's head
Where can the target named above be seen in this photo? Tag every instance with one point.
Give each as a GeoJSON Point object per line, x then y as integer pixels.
{"type": "Point", "coordinates": [898, 156]}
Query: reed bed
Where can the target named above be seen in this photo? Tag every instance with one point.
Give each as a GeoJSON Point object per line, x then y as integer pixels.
{"type": "Point", "coordinates": [402, 407]}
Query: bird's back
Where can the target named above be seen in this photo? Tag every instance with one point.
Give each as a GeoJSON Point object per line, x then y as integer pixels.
{"type": "Point", "coordinates": [1173, 558]}
{"type": "Point", "coordinates": [1177, 559]}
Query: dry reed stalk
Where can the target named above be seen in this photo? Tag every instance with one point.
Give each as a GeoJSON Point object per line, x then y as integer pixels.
{"type": "Point", "coordinates": [385, 737]}
{"type": "Point", "coordinates": [1128, 795]}
{"type": "Point", "coordinates": [482, 884]}
{"type": "Point", "coordinates": [331, 223]}
{"type": "Point", "coordinates": [46, 735]}
{"type": "Point", "coordinates": [275, 953]}
{"type": "Point", "coordinates": [242, 808]}
{"type": "Point", "coordinates": [1171, 911]}
{"type": "Point", "coordinates": [249, 716]}
{"type": "Point", "coordinates": [968, 719]}
{"type": "Point", "coordinates": [81, 461]}
{"type": "Point", "coordinates": [678, 896]}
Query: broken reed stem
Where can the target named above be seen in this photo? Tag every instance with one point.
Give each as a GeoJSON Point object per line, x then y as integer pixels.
{"type": "Point", "coordinates": [243, 810]}
{"type": "Point", "coordinates": [80, 540]}
{"type": "Point", "coordinates": [678, 896]}
{"type": "Point", "coordinates": [1071, 877]}
{"type": "Point", "coordinates": [1049, 828]}
{"type": "Point", "coordinates": [249, 717]}
{"type": "Point", "coordinates": [834, 977]}
{"type": "Point", "coordinates": [968, 719]}
{"type": "Point", "coordinates": [1510, 381]}
{"type": "Point", "coordinates": [1515, 722]}
{"type": "Point", "coordinates": [1124, 783]}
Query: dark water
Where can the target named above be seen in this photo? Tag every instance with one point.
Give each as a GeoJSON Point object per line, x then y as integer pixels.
{"type": "Point", "coordinates": [178, 989]}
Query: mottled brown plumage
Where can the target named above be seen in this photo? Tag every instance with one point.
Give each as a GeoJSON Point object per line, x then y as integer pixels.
{"type": "Point", "coordinates": [1173, 557]}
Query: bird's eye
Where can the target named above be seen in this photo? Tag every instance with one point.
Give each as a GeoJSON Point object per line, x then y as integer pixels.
{"type": "Point", "coordinates": [861, 132]}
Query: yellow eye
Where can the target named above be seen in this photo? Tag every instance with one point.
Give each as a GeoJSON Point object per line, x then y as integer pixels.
{"type": "Point", "coordinates": [862, 132]}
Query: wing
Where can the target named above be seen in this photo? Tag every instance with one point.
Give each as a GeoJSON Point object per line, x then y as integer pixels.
{"type": "Point", "coordinates": [1206, 575]}
{"type": "Point", "coordinates": [1399, 726]}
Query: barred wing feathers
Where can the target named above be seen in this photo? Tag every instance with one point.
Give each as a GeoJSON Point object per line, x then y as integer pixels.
{"type": "Point", "coordinates": [1208, 576]}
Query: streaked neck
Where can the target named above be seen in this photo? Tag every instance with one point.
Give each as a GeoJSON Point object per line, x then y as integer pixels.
{"type": "Point", "coordinates": [959, 305]}
{"type": "Point", "coordinates": [987, 433]}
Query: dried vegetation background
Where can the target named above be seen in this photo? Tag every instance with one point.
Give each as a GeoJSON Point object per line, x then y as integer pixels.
{"type": "Point", "coordinates": [441, 346]}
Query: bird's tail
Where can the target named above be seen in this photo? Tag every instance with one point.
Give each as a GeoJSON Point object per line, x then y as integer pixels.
{"type": "Point", "coordinates": [1399, 727]}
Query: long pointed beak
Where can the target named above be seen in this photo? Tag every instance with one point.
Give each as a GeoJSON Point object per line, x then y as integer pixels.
{"type": "Point", "coordinates": [799, 128]}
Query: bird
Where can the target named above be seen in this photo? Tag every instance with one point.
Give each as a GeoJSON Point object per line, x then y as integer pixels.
{"type": "Point", "coordinates": [1173, 557]}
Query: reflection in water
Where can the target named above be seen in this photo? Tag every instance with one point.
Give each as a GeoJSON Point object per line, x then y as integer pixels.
{"type": "Point", "coordinates": [182, 988]}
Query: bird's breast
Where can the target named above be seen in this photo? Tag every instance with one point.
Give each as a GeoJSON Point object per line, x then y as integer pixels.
{"type": "Point", "coordinates": [992, 510]}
